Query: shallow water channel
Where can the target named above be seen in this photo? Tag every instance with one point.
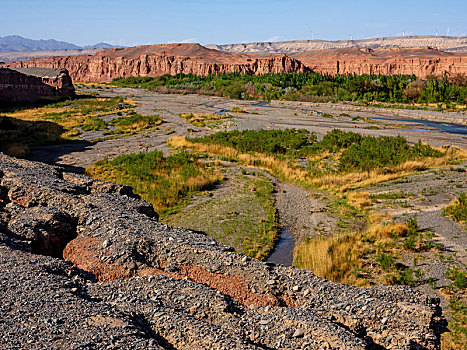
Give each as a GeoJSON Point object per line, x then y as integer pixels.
{"type": "Point", "coordinates": [283, 251]}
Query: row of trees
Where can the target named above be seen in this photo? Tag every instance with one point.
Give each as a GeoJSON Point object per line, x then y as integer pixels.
{"type": "Point", "coordinates": [312, 86]}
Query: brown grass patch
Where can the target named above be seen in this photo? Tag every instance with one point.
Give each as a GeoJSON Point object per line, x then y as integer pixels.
{"type": "Point", "coordinates": [340, 258]}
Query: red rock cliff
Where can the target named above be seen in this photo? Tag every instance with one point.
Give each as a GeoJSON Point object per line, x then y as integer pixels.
{"type": "Point", "coordinates": [30, 84]}
{"type": "Point", "coordinates": [158, 60]}
{"type": "Point", "coordinates": [421, 62]}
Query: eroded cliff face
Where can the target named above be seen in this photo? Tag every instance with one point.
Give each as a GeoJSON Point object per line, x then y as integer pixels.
{"type": "Point", "coordinates": [158, 60]}
{"type": "Point", "coordinates": [422, 61]}
{"type": "Point", "coordinates": [30, 84]}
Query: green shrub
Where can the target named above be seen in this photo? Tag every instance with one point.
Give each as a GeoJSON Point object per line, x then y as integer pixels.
{"type": "Point", "coordinates": [273, 142]}
{"type": "Point", "coordinates": [165, 182]}
{"type": "Point", "coordinates": [458, 209]}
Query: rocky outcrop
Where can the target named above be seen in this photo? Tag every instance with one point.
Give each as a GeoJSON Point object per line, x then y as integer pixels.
{"type": "Point", "coordinates": [195, 59]}
{"type": "Point", "coordinates": [158, 60]}
{"type": "Point", "coordinates": [129, 281]}
{"type": "Point", "coordinates": [422, 61]}
{"type": "Point", "coordinates": [30, 84]}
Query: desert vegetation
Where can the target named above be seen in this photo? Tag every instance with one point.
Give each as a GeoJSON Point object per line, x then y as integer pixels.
{"type": "Point", "coordinates": [367, 256]}
{"type": "Point", "coordinates": [205, 120]}
{"type": "Point", "coordinates": [64, 121]}
{"type": "Point", "coordinates": [313, 87]}
{"type": "Point", "coordinates": [341, 161]}
{"type": "Point", "coordinates": [164, 182]}
{"type": "Point", "coordinates": [54, 123]}
{"type": "Point", "coordinates": [244, 218]}
{"type": "Point", "coordinates": [457, 209]}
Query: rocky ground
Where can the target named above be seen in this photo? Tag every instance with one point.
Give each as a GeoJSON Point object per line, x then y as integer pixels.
{"type": "Point", "coordinates": [424, 196]}
{"type": "Point", "coordinates": [113, 278]}
{"type": "Point", "coordinates": [128, 281]}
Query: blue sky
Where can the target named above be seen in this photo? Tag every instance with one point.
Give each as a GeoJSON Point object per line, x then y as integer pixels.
{"type": "Point", "coordinates": [137, 22]}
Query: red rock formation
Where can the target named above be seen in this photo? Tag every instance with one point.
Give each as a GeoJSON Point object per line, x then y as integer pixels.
{"type": "Point", "coordinates": [30, 84]}
{"type": "Point", "coordinates": [156, 60]}
{"type": "Point", "coordinates": [421, 62]}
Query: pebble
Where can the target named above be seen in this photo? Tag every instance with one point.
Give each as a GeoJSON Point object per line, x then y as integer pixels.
{"type": "Point", "coordinates": [299, 333]}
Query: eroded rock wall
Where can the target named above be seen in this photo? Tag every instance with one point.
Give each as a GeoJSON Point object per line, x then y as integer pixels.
{"type": "Point", "coordinates": [420, 62]}
{"type": "Point", "coordinates": [195, 59]}
{"type": "Point", "coordinates": [158, 60]}
{"type": "Point", "coordinates": [166, 287]}
{"type": "Point", "coordinates": [30, 84]}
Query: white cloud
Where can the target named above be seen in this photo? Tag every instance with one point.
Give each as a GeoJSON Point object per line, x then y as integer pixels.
{"type": "Point", "coordinates": [275, 38]}
{"type": "Point", "coordinates": [184, 41]}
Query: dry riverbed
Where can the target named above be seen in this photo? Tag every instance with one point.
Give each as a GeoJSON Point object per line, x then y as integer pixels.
{"type": "Point", "coordinates": [227, 212]}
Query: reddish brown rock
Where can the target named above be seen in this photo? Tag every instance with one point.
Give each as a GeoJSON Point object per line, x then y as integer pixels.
{"type": "Point", "coordinates": [421, 61]}
{"type": "Point", "coordinates": [30, 84]}
{"type": "Point", "coordinates": [156, 60]}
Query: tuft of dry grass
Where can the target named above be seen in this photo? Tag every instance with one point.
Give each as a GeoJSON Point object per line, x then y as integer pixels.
{"type": "Point", "coordinates": [341, 258]}
{"type": "Point", "coordinates": [341, 182]}
{"type": "Point", "coordinates": [202, 120]}
{"type": "Point", "coordinates": [359, 200]}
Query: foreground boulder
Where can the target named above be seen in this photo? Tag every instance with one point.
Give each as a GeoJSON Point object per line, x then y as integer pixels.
{"type": "Point", "coordinates": [128, 281]}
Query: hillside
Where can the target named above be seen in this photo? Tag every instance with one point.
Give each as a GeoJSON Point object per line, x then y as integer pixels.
{"type": "Point", "coordinates": [455, 44]}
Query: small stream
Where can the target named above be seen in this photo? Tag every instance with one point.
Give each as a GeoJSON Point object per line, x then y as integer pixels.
{"type": "Point", "coordinates": [283, 251]}
{"type": "Point", "coordinates": [439, 126]}
{"type": "Point", "coordinates": [222, 111]}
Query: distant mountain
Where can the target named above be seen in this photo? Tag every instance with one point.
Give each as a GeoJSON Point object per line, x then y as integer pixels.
{"type": "Point", "coordinates": [103, 46]}
{"type": "Point", "coordinates": [13, 43]}
{"type": "Point", "coordinates": [17, 43]}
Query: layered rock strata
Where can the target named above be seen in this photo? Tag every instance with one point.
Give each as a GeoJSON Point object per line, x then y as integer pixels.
{"type": "Point", "coordinates": [195, 59]}
{"type": "Point", "coordinates": [156, 60]}
{"type": "Point", "coordinates": [129, 281]}
{"type": "Point", "coordinates": [421, 62]}
{"type": "Point", "coordinates": [30, 84]}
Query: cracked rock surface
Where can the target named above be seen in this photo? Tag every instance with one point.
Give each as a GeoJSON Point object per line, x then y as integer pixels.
{"type": "Point", "coordinates": [128, 281]}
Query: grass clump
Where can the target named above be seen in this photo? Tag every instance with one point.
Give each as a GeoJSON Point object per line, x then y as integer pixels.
{"type": "Point", "coordinates": [341, 161]}
{"type": "Point", "coordinates": [365, 257]}
{"type": "Point", "coordinates": [344, 258]}
{"type": "Point", "coordinates": [457, 209]}
{"type": "Point", "coordinates": [164, 182]}
{"type": "Point", "coordinates": [134, 122]}
{"type": "Point", "coordinates": [457, 337]}
{"type": "Point", "coordinates": [202, 120]}
{"type": "Point", "coordinates": [269, 142]}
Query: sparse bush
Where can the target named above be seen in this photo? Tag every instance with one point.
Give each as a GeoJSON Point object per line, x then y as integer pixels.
{"type": "Point", "coordinates": [457, 209]}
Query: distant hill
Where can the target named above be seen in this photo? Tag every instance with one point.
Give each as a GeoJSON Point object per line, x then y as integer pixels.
{"type": "Point", "coordinates": [102, 46]}
{"type": "Point", "coordinates": [14, 43]}
{"type": "Point", "coordinates": [445, 43]}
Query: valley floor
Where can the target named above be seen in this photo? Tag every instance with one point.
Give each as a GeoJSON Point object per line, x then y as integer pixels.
{"type": "Point", "coordinates": [305, 213]}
